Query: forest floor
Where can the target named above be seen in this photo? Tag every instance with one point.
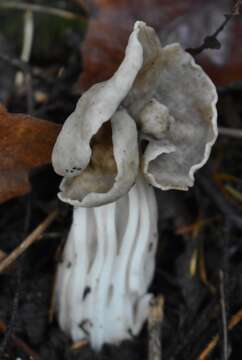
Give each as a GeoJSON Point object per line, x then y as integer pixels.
{"type": "Point", "coordinates": [199, 258]}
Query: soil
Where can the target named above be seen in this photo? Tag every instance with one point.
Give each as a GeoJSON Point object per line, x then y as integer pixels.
{"type": "Point", "coordinates": [204, 224]}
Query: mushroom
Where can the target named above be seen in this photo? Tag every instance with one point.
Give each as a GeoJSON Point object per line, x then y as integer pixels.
{"type": "Point", "coordinates": [152, 123]}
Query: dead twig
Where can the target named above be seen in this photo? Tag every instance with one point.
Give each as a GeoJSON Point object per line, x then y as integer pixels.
{"type": "Point", "coordinates": [51, 311]}
{"type": "Point", "coordinates": [79, 344]}
{"type": "Point", "coordinates": [218, 198]}
{"type": "Point", "coordinates": [154, 328]}
{"type": "Point", "coordinates": [230, 132]}
{"type": "Point", "coordinates": [211, 41]}
{"type": "Point", "coordinates": [30, 239]}
{"type": "Point", "coordinates": [28, 34]}
{"type": "Point", "coordinates": [25, 77]}
{"type": "Point", "coordinates": [194, 228]}
{"type": "Point", "coordinates": [23, 66]}
{"type": "Point", "coordinates": [14, 5]}
{"type": "Point", "coordinates": [16, 298]}
{"type": "Point", "coordinates": [224, 315]}
{"type": "Point", "coordinates": [235, 320]}
{"type": "Point", "coordinates": [20, 343]}
{"type": "Point", "coordinates": [3, 255]}
{"type": "Point", "coordinates": [237, 6]}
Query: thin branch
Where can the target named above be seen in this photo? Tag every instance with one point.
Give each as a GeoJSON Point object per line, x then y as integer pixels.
{"type": "Point", "coordinates": [28, 35]}
{"type": "Point", "coordinates": [17, 294]}
{"type": "Point", "coordinates": [12, 5]}
{"type": "Point", "coordinates": [237, 6]}
{"type": "Point", "coordinates": [231, 132]}
{"type": "Point", "coordinates": [79, 344]}
{"type": "Point", "coordinates": [21, 65]}
{"type": "Point", "coordinates": [16, 63]}
{"type": "Point", "coordinates": [35, 235]}
{"type": "Point", "coordinates": [154, 328]}
{"type": "Point", "coordinates": [229, 210]}
{"type": "Point", "coordinates": [211, 41]}
{"type": "Point", "coordinates": [224, 315]}
{"type": "Point", "coordinates": [25, 77]}
{"type": "Point", "coordinates": [20, 343]}
{"type": "Point", "coordinates": [234, 321]}
{"type": "Point", "coordinates": [3, 255]}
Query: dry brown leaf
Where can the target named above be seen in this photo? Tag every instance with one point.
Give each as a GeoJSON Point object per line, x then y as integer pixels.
{"type": "Point", "coordinates": [25, 143]}
{"type": "Point", "coordinates": [186, 21]}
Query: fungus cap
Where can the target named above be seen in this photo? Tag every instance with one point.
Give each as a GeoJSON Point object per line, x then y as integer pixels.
{"type": "Point", "coordinates": [159, 93]}
{"type": "Point", "coordinates": [174, 98]}
{"type": "Point", "coordinates": [72, 153]}
{"type": "Point", "coordinates": [99, 185]}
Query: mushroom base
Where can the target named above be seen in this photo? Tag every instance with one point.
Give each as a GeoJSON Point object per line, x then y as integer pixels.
{"type": "Point", "coordinates": [108, 264]}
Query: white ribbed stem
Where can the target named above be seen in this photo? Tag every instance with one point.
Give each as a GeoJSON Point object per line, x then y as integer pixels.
{"type": "Point", "coordinates": [107, 267]}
